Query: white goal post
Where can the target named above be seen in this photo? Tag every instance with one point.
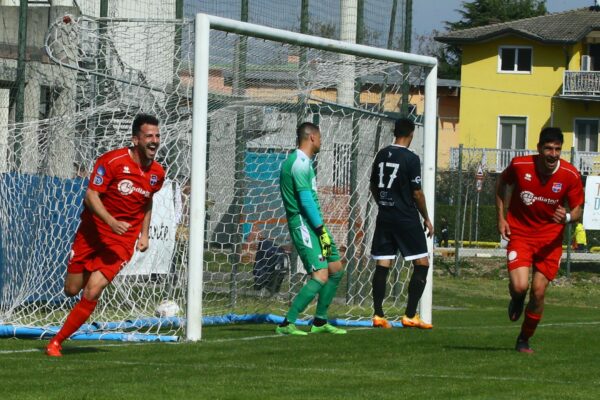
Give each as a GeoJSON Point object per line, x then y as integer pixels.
{"type": "Point", "coordinates": [204, 23]}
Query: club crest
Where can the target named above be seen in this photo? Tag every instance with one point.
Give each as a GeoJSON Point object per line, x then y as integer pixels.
{"type": "Point", "coordinates": [557, 187]}
{"type": "Point", "coordinates": [153, 180]}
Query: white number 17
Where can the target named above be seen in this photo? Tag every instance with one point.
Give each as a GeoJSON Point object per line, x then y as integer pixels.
{"type": "Point", "coordinates": [393, 175]}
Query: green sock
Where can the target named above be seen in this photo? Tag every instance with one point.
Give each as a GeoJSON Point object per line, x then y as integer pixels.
{"type": "Point", "coordinates": [327, 294]}
{"type": "Point", "coordinates": [303, 299]}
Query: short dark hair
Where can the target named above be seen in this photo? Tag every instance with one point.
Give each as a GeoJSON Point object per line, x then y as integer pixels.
{"type": "Point", "coordinates": [403, 127]}
{"type": "Point", "coordinates": [551, 134]}
{"type": "Point", "coordinates": [142, 119]}
{"type": "Point", "coordinates": [304, 130]}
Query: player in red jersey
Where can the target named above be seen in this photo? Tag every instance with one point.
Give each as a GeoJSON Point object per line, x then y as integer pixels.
{"type": "Point", "coordinates": [117, 212]}
{"type": "Point", "coordinates": [542, 185]}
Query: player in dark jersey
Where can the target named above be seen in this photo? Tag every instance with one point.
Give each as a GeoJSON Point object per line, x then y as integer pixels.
{"type": "Point", "coordinates": [396, 187]}
{"type": "Point", "coordinates": [542, 185]}
{"type": "Point", "coordinates": [118, 208]}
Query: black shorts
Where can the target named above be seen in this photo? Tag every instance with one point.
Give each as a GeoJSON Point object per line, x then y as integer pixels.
{"type": "Point", "coordinates": [407, 237]}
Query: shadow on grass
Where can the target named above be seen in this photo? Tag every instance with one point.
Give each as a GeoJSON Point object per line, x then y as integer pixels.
{"type": "Point", "coordinates": [480, 348]}
{"type": "Point", "coordinates": [74, 350]}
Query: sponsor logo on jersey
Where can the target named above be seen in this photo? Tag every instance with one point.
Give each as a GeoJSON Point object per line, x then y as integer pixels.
{"type": "Point", "coordinates": [389, 154]}
{"type": "Point", "coordinates": [126, 187]}
{"type": "Point", "coordinates": [126, 170]}
{"type": "Point", "coordinates": [528, 177]}
{"type": "Point", "coordinates": [153, 180]}
{"type": "Point", "coordinates": [417, 180]}
{"type": "Point", "coordinates": [101, 171]}
{"type": "Point", "coordinates": [557, 187]}
{"type": "Point", "coordinates": [529, 198]}
{"type": "Point", "coordinates": [98, 180]}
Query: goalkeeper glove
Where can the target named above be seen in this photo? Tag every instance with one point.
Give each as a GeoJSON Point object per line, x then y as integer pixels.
{"type": "Point", "coordinates": [324, 241]}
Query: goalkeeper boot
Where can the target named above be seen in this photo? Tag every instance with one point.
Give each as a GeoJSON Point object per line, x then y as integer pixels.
{"type": "Point", "coordinates": [53, 349]}
{"type": "Point", "coordinates": [327, 328]}
{"type": "Point", "coordinates": [415, 322]}
{"type": "Point", "coordinates": [381, 322]}
{"type": "Point", "coordinates": [515, 309]}
{"type": "Point", "coordinates": [290, 329]}
{"type": "Point", "coordinates": [522, 346]}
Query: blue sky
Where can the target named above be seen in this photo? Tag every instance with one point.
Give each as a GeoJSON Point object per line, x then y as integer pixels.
{"type": "Point", "coordinates": [431, 14]}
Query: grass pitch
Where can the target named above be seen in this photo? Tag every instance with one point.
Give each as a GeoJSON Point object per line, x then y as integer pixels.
{"type": "Point", "coordinates": [468, 355]}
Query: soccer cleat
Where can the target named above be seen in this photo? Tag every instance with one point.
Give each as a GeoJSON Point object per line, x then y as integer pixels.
{"type": "Point", "coordinates": [522, 346]}
{"type": "Point", "coordinates": [53, 349]}
{"type": "Point", "coordinates": [290, 329]}
{"type": "Point", "coordinates": [381, 322]}
{"type": "Point", "coordinates": [415, 322]}
{"type": "Point", "coordinates": [515, 309]}
{"type": "Point", "coordinates": [327, 328]}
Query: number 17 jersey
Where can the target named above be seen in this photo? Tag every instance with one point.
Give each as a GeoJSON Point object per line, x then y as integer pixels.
{"type": "Point", "coordinates": [395, 175]}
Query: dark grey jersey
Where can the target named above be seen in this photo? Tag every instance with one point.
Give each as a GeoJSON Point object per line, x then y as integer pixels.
{"type": "Point", "coordinates": [396, 173]}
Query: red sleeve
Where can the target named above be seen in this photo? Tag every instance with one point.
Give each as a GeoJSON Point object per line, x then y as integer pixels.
{"type": "Point", "coordinates": [101, 176]}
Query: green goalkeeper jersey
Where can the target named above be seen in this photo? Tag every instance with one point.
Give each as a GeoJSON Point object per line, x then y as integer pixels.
{"type": "Point", "coordinates": [297, 174]}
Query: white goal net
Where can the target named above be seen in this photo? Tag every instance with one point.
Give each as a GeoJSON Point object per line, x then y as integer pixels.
{"type": "Point", "coordinates": [100, 73]}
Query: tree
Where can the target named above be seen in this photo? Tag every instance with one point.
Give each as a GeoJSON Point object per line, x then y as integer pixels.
{"type": "Point", "coordinates": [480, 13]}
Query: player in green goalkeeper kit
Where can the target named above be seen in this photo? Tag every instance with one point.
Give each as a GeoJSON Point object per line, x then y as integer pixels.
{"type": "Point", "coordinates": [318, 252]}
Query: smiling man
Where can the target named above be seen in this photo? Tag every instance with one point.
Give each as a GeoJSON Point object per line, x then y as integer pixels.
{"type": "Point", "coordinates": [541, 186]}
{"type": "Point", "coordinates": [117, 212]}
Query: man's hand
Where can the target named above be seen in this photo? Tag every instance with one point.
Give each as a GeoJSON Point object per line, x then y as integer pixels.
{"type": "Point", "coordinates": [143, 243]}
{"type": "Point", "coordinates": [428, 228]}
{"type": "Point", "coordinates": [324, 241]}
{"type": "Point", "coordinates": [504, 229]}
{"type": "Point", "coordinates": [120, 227]}
{"type": "Point", "coordinates": [560, 215]}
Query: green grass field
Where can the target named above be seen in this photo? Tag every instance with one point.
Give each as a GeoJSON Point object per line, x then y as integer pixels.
{"type": "Point", "coordinates": [468, 355]}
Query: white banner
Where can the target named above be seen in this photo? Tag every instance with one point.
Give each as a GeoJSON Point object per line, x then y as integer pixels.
{"type": "Point", "coordinates": [157, 259]}
{"type": "Point", "coordinates": [591, 211]}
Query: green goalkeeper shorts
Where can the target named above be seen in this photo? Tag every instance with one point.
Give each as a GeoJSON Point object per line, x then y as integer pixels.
{"type": "Point", "coordinates": [306, 242]}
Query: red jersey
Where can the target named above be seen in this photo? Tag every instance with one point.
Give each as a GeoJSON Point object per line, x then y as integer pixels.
{"type": "Point", "coordinates": [533, 203]}
{"type": "Point", "coordinates": [125, 189]}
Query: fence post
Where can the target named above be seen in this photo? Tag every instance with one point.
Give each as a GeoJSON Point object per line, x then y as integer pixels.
{"type": "Point", "coordinates": [457, 224]}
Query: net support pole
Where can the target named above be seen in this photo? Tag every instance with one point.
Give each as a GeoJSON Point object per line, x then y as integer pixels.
{"type": "Point", "coordinates": [198, 179]}
{"type": "Point", "coordinates": [430, 125]}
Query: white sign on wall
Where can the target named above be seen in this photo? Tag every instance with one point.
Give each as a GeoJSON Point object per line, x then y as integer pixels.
{"type": "Point", "coordinates": [591, 211]}
{"type": "Point", "coordinates": [157, 258]}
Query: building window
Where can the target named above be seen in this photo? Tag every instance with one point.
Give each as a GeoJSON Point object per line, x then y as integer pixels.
{"type": "Point", "coordinates": [586, 134]}
{"type": "Point", "coordinates": [513, 132]}
{"type": "Point", "coordinates": [515, 59]}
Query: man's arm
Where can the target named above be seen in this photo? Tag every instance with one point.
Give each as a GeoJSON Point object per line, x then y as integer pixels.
{"type": "Point", "coordinates": [94, 203]}
{"type": "Point", "coordinates": [419, 198]}
{"type": "Point", "coordinates": [503, 227]}
{"type": "Point", "coordinates": [144, 240]}
{"type": "Point", "coordinates": [310, 210]}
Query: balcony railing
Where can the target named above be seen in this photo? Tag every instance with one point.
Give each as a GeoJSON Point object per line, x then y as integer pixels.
{"type": "Point", "coordinates": [496, 160]}
{"type": "Point", "coordinates": [581, 83]}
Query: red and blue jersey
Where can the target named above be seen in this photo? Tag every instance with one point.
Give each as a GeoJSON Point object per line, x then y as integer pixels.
{"type": "Point", "coordinates": [125, 189]}
{"type": "Point", "coordinates": [535, 198]}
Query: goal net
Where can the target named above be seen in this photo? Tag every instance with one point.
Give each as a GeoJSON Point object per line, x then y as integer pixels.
{"type": "Point", "coordinates": [256, 88]}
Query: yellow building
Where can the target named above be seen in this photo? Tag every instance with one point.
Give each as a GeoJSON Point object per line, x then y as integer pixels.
{"type": "Point", "coordinates": [521, 76]}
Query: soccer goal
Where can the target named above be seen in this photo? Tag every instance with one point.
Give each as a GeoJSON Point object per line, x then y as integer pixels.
{"type": "Point", "coordinates": [229, 96]}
